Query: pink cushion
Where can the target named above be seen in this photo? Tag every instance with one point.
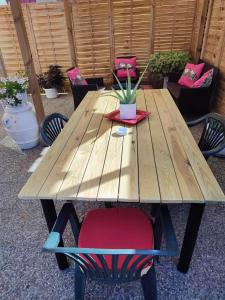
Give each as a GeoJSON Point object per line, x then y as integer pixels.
{"type": "Point", "coordinates": [122, 64]}
{"type": "Point", "coordinates": [116, 228]}
{"type": "Point", "coordinates": [75, 77]}
{"type": "Point", "coordinates": [205, 80]}
{"type": "Point", "coordinates": [191, 74]}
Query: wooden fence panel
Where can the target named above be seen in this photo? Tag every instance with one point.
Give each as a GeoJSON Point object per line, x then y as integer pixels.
{"type": "Point", "coordinates": [213, 50]}
{"type": "Point", "coordinates": [102, 30]}
{"type": "Point", "coordinates": [173, 24]}
{"type": "Point", "coordinates": [9, 43]}
{"type": "Point", "coordinates": [92, 37]}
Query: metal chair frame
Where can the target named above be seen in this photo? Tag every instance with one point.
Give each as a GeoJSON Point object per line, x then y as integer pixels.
{"type": "Point", "coordinates": [86, 266]}
{"type": "Point", "coordinates": [212, 140]}
{"type": "Point", "coordinates": [51, 127]}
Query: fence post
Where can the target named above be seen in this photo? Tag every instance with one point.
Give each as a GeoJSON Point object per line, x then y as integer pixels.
{"type": "Point", "coordinates": [2, 65]}
{"type": "Point", "coordinates": [201, 30]}
{"type": "Point", "coordinates": [18, 19]}
{"type": "Point", "coordinates": [68, 16]}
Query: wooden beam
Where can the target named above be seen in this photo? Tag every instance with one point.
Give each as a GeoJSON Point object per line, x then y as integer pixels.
{"type": "Point", "coordinates": [27, 57]}
{"type": "Point", "coordinates": [210, 8]}
{"type": "Point", "coordinates": [69, 25]}
{"type": "Point", "coordinates": [201, 30]}
{"type": "Point", "coordinates": [2, 66]}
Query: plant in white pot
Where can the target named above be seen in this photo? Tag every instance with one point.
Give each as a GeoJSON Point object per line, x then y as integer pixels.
{"type": "Point", "coordinates": [127, 97]}
{"type": "Point", "coordinates": [19, 119]}
{"type": "Point", "coordinates": [52, 81]}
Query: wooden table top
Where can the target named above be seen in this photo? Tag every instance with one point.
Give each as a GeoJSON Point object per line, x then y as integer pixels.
{"type": "Point", "coordinates": [157, 161]}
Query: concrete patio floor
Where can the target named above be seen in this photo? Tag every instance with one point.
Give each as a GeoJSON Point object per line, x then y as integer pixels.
{"type": "Point", "coordinates": [29, 273]}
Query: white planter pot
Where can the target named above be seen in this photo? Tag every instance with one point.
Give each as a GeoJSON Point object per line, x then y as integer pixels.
{"type": "Point", "coordinates": [51, 93]}
{"type": "Point", "coordinates": [165, 81]}
{"type": "Point", "coordinates": [21, 125]}
{"type": "Point", "coordinates": [128, 111]}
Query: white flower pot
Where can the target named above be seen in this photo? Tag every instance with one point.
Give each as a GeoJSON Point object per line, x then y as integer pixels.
{"type": "Point", "coordinates": [128, 111]}
{"type": "Point", "coordinates": [165, 81]}
{"type": "Point", "coordinates": [21, 125]}
{"type": "Point", "coordinates": [51, 93]}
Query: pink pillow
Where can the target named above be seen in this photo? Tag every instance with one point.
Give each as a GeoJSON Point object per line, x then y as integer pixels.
{"type": "Point", "coordinates": [205, 80]}
{"type": "Point", "coordinates": [75, 77]}
{"type": "Point", "coordinates": [122, 64]}
{"type": "Point", "coordinates": [191, 74]}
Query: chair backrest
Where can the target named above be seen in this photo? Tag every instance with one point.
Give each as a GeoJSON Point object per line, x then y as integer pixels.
{"type": "Point", "coordinates": [51, 127]}
{"type": "Point", "coordinates": [213, 135]}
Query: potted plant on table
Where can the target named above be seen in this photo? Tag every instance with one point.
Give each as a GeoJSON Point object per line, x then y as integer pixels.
{"type": "Point", "coordinates": [127, 97]}
{"type": "Point", "coordinates": [52, 81]}
{"type": "Point", "coordinates": [162, 64]}
{"type": "Point", "coordinates": [19, 119]}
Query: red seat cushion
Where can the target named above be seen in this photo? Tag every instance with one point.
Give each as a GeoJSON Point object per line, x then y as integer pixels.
{"type": "Point", "coordinates": [116, 228]}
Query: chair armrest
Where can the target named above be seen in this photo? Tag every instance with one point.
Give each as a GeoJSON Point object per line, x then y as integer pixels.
{"type": "Point", "coordinates": [215, 150]}
{"type": "Point", "coordinates": [195, 122]}
{"type": "Point", "coordinates": [66, 214]}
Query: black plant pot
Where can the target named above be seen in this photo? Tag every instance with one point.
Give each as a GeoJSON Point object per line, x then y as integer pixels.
{"type": "Point", "coordinates": [156, 80]}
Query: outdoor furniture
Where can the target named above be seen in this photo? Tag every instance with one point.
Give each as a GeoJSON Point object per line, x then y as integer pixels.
{"type": "Point", "coordinates": [103, 239]}
{"type": "Point", "coordinates": [158, 161]}
{"type": "Point", "coordinates": [79, 91]}
{"type": "Point", "coordinates": [51, 127]}
{"type": "Point", "coordinates": [195, 101]}
{"type": "Point", "coordinates": [212, 140]}
{"type": "Point", "coordinates": [123, 80]}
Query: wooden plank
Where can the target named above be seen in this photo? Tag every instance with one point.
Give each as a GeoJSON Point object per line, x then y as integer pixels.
{"type": "Point", "coordinates": [27, 58]}
{"type": "Point", "coordinates": [128, 188]}
{"type": "Point", "coordinates": [85, 133]}
{"type": "Point", "coordinates": [90, 183]}
{"type": "Point", "coordinates": [168, 185]}
{"type": "Point", "coordinates": [185, 175]}
{"type": "Point", "coordinates": [38, 178]}
{"type": "Point", "coordinates": [148, 180]}
{"type": "Point", "coordinates": [206, 180]}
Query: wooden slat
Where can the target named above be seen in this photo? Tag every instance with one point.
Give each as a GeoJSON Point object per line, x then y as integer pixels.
{"type": "Point", "coordinates": [129, 189]}
{"type": "Point", "coordinates": [92, 177]}
{"type": "Point", "coordinates": [38, 178]}
{"type": "Point", "coordinates": [185, 175]}
{"type": "Point", "coordinates": [168, 185]}
{"type": "Point", "coordinates": [148, 180]}
{"type": "Point", "coordinates": [85, 133]}
{"type": "Point", "coordinates": [206, 180]}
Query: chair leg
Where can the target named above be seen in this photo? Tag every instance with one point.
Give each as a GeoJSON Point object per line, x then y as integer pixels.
{"type": "Point", "coordinates": [149, 285]}
{"type": "Point", "coordinates": [80, 280]}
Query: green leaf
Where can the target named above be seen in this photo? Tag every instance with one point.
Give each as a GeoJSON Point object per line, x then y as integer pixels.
{"type": "Point", "coordinates": [120, 85]}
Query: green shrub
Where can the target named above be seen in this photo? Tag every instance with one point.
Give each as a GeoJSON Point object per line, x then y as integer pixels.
{"type": "Point", "coordinates": [168, 62]}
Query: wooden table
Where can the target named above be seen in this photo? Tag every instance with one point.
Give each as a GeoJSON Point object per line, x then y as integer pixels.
{"type": "Point", "coordinates": [158, 161]}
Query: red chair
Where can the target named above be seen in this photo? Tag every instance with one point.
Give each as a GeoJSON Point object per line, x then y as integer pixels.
{"type": "Point", "coordinates": [115, 245]}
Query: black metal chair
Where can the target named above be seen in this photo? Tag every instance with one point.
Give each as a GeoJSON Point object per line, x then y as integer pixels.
{"type": "Point", "coordinates": [109, 265]}
{"type": "Point", "coordinates": [51, 127]}
{"type": "Point", "coordinates": [212, 140]}
{"type": "Point", "coordinates": [79, 91]}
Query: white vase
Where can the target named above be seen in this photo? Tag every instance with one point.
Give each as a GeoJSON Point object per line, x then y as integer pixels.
{"type": "Point", "coordinates": [21, 125]}
{"type": "Point", "coordinates": [128, 111]}
{"type": "Point", "coordinates": [51, 93]}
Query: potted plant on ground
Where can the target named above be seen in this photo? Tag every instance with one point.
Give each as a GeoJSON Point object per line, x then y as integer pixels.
{"type": "Point", "coordinates": [127, 97]}
{"type": "Point", "coordinates": [19, 119]}
{"type": "Point", "coordinates": [162, 64]}
{"type": "Point", "coordinates": [52, 81]}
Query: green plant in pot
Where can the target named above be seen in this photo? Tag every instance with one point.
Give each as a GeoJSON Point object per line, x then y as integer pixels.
{"type": "Point", "coordinates": [52, 81]}
{"type": "Point", "coordinates": [127, 97]}
{"type": "Point", "coordinates": [162, 64]}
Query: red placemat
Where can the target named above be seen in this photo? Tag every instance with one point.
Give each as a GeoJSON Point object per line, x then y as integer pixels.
{"type": "Point", "coordinates": [115, 116]}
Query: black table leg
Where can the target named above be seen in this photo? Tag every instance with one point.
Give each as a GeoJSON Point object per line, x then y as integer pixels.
{"type": "Point", "coordinates": [190, 237]}
{"type": "Point", "coordinates": [50, 217]}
